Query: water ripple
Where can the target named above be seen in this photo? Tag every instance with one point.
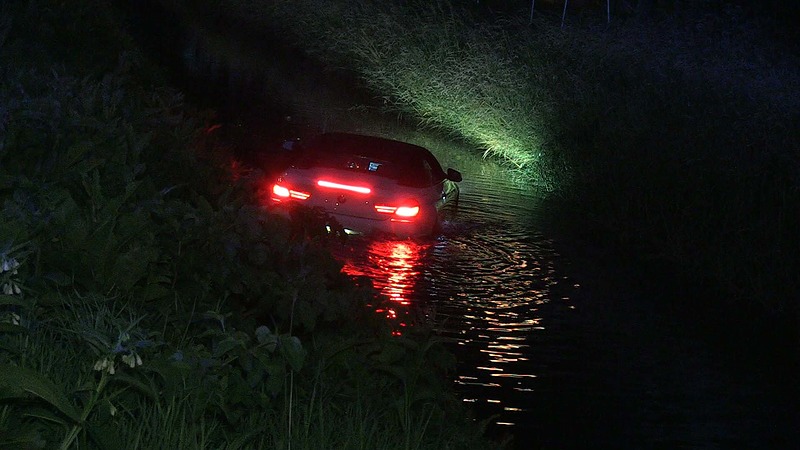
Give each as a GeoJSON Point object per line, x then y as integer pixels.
{"type": "Point", "coordinates": [488, 285]}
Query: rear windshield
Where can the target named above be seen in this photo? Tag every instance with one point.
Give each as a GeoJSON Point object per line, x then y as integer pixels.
{"type": "Point", "coordinates": [405, 163]}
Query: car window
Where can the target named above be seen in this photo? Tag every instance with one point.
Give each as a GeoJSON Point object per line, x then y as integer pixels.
{"type": "Point", "coordinates": [434, 168]}
{"type": "Point", "coordinates": [407, 164]}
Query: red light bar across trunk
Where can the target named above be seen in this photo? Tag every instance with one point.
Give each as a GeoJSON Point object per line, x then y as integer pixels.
{"type": "Point", "coordinates": [345, 187]}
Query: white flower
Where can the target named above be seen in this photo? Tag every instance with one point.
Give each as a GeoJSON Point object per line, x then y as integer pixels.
{"type": "Point", "coordinates": [9, 265]}
{"type": "Point", "coordinates": [105, 364]}
{"type": "Point", "coordinates": [11, 288]}
{"type": "Point", "coordinates": [101, 364]}
{"type": "Point", "coordinates": [12, 318]}
{"type": "Point", "coordinates": [132, 359]}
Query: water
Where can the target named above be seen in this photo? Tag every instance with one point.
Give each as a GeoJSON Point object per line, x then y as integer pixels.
{"type": "Point", "coordinates": [489, 286]}
{"type": "Point", "coordinates": [557, 355]}
{"type": "Point", "coordinates": [577, 351]}
{"type": "Point", "coordinates": [556, 352]}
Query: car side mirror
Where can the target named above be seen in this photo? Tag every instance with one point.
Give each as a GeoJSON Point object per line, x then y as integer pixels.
{"type": "Point", "coordinates": [454, 175]}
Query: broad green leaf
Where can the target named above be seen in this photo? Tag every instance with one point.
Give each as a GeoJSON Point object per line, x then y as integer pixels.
{"type": "Point", "coordinates": [122, 378]}
{"type": "Point", "coordinates": [226, 345]}
{"type": "Point", "coordinates": [262, 333]}
{"type": "Point", "coordinates": [215, 315]}
{"type": "Point", "coordinates": [266, 338]}
{"type": "Point", "coordinates": [44, 414]}
{"type": "Point", "coordinates": [255, 375]}
{"type": "Point", "coordinates": [293, 351]}
{"type": "Point", "coordinates": [131, 267]}
{"type": "Point", "coordinates": [172, 375]}
{"type": "Point", "coordinates": [13, 300]}
{"type": "Point", "coordinates": [265, 361]}
{"type": "Point", "coordinates": [22, 437]}
{"type": "Point", "coordinates": [276, 372]}
{"type": "Point", "coordinates": [106, 435]}
{"type": "Point", "coordinates": [11, 328]}
{"type": "Point", "coordinates": [18, 382]}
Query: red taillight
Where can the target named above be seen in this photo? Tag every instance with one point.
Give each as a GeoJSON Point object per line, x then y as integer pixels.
{"type": "Point", "coordinates": [406, 210]}
{"type": "Point", "coordinates": [299, 195]}
{"type": "Point", "coordinates": [282, 192]}
{"type": "Point", "coordinates": [345, 187]}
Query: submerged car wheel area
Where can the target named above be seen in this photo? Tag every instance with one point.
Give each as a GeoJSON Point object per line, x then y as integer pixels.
{"type": "Point", "coordinates": [368, 184]}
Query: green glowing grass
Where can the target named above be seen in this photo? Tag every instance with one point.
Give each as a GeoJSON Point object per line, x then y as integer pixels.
{"type": "Point", "coordinates": [431, 64]}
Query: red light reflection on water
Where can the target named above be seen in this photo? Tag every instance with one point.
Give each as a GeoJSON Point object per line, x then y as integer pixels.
{"type": "Point", "coordinates": [394, 268]}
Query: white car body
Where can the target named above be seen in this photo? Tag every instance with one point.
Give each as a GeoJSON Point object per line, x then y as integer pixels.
{"type": "Point", "coordinates": [369, 184]}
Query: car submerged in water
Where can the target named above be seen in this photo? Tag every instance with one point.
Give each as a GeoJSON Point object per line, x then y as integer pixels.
{"type": "Point", "coordinates": [369, 184]}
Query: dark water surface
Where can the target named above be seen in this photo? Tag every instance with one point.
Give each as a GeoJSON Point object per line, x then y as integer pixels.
{"type": "Point", "coordinates": [490, 287]}
{"type": "Point", "coordinates": [559, 362]}
{"type": "Point", "coordinates": [584, 351]}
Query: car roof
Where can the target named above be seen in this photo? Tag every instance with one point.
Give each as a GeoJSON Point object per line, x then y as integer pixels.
{"type": "Point", "coordinates": [405, 163]}
{"type": "Point", "coordinates": [367, 146]}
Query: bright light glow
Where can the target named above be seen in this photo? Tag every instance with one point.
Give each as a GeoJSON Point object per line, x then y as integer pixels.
{"type": "Point", "coordinates": [346, 187]}
{"type": "Point", "coordinates": [407, 211]}
{"type": "Point", "coordinates": [385, 209]}
{"type": "Point", "coordinates": [400, 211]}
{"type": "Point", "coordinates": [283, 192]}
{"type": "Point", "coordinates": [299, 195]}
{"type": "Point", "coordinates": [280, 191]}
{"type": "Point", "coordinates": [394, 268]}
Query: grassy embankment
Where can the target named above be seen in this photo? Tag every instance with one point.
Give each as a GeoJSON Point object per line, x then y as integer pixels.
{"type": "Point", "coordinates": [678, 136]}
{"type": "Point", "coordinates": [146, 302]}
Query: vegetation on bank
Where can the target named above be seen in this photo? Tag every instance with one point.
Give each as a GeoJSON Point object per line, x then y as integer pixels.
{"type": "Point", "coordinates": [147, 302]}
{"type": "Point", "coordinates": [677, 134]}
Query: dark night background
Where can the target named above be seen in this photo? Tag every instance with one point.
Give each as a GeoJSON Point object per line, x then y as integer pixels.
{"type": "Point", "coordinates": [658, 154]}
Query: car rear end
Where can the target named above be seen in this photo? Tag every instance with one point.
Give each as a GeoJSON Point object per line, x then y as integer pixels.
{"type": "Point", "coordinates": [368, 184]}
{"type": "Point", "coordinates": [361, 203]}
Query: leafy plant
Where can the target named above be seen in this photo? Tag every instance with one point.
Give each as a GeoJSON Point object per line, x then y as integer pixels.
{"type": "Point", "coordinates": [148, 301]}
